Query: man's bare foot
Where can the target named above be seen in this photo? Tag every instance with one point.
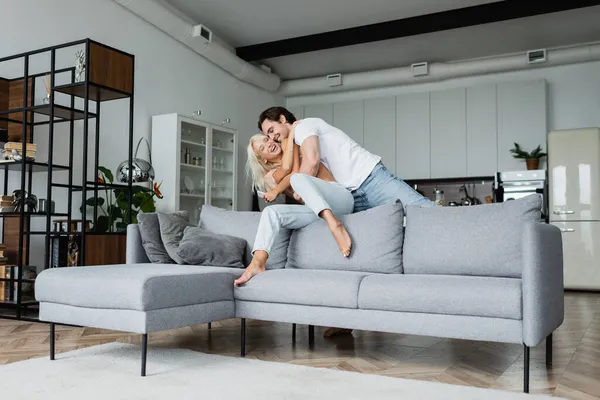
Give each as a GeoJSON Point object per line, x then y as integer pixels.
{"type": "Point", "coordinates": [336, 331]}
{"type": "Point", "coordinates": [341, 236]}
{"type": "Point", "coordinates": [257, 265]}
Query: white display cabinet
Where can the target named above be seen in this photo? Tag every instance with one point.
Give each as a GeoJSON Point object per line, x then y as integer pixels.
{"type": "Point", "coordinates": [197, 162]}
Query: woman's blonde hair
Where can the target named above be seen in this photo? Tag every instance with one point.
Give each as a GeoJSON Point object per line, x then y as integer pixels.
{"type": "Point", "coordinates": [256, 167]}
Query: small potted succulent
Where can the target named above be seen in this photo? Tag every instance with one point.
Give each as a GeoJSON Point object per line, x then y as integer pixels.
{"type": "Point", "coordinates": [531, 158]}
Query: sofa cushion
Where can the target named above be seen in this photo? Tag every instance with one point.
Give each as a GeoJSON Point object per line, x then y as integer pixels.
{"type": "Point", "coordinates": [151, 239]}
{"type": "Point", "coordinates": [244, 224]}
{"type": "Point", "coordinates": [171, 231]}
{"type": "Point", "coordinates": [200, 247]}
{"type": "Point", "coordinates": [376, 234]}
{"type": "Point", "coordinates": [312, 288]}
{"type": "Point", "coordinates": [443, 294]}
{"type": "Point", "coordinates": [141, 287]}
{"type": "Point", "coordinates": [483, 240]}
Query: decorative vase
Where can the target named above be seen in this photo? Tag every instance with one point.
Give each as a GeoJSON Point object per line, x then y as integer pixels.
{"type": "Point", "coordinates": [533, 163]}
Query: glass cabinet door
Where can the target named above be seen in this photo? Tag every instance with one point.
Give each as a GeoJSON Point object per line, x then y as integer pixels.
{"type": "Point", "coordinates": [223, 165]}
{"type": "Point", "coordinates": [193, 168]}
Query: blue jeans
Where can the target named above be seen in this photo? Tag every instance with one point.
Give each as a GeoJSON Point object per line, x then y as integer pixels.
{"type": "Point", "coordinates": [382, 187]}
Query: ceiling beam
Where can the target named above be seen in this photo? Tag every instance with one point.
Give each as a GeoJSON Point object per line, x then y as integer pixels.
{"type": "Point", "coordinates": [436, 22]}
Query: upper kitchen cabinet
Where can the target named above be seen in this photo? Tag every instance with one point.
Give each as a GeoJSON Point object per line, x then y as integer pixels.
{"type": "Point", "coordinates": [349, 117]}
{"type": "Point", "coordinates": [413, 136]}
{"type": "Point", "coordinates": [521, 119]}
{"type": "Point", "coordinates": [380, 129]}
{"type": "Point", "coordinates": [323, 111]}
{"type": "Point", "coordinates": [482, 127]}
{"type": "Point", "coordinates": [298, 111]}
{"type": "Point", "coordinates": [448, 133]}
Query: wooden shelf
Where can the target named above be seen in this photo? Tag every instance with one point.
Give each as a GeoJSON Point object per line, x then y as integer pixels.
{"type": "Point", "coordinates": [61, 112]}
{"type": "Point", "coordinates": [35, 166]}
{"type": "Point", "coordinates": [95, 92]}
{"type": "Point", "coordinates": [30, 214]}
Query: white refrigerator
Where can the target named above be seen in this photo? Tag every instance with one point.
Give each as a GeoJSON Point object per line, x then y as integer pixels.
{"type": "Point", "coordinates": [574, 202]}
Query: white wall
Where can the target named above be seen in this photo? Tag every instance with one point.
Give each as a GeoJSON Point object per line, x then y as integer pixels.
{"type": "Point", "coordinates": [573, 92]}
{"type": "Point", "coordinates": [169, 78]}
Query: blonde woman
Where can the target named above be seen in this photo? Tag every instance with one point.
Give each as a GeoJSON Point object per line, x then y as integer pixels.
{"type": "Point", "coordinates": [273, 169]}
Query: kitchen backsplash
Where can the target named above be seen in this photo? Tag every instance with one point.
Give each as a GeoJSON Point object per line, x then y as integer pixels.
{"type": "Point", "coordinates": [477, 187]}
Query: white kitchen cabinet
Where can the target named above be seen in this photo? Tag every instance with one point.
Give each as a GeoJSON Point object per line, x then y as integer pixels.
{"type": "Point", "coordinates": [448, 133]}
{"type": "Point", "coordinates": [208, 177]}
{"type": "Point", "coordinates": [380, 129]}
{"type": "Point", "coordinates": [349, 117]}
{"type": "Point", "coordinates": [413, 136]}
{"type": "Point", "coordinates": [298, 111]}
{"type": "Point", "coordinates": [522, 110]}
{"type": "Point", "coordinates": [482, 127]}
{"type": "Point", "coordinates": [323, 111]}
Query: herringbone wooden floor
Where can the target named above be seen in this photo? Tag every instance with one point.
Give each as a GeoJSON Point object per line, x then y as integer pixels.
{"type": "Point", "coordinates": [575, 373]}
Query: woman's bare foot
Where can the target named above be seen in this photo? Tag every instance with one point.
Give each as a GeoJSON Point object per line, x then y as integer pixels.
{"type": "Point", "coordinates": [257, 265]}
{"type": "Point", "coordinates": [341, 236]}
{"type": "Point", "coordinates": [336, 331]}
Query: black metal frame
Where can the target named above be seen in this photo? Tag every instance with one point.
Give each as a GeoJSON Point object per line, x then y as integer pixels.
{"type": "Point", "coordinates": [27, 168]}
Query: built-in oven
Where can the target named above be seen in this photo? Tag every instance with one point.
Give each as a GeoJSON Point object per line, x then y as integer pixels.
{"type": "Point", "coordinates": [513, 185]}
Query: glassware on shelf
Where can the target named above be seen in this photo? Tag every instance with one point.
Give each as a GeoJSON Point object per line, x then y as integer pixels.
{"type": "Point", "coordinates": [202, 140]}
{"type": "Point", "coordinates": [188, 156]}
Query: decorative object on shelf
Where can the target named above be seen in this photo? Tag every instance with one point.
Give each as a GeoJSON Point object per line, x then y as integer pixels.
{"type": "Point", "coordinates": [72, 252]}
{"type": "Point", "coordinates": [79, 66]}
{"type": "Point", "coordinates": [439, 197]}
{"type": "Point", "coordinates": [115, 204]}
{"type": "Point", "coordinates": [46, 79]}
{"type": "Point", "coordinates": [21, 199]}
{"type": "Point", "coordinates": [14, 151]}
{"type": "Point", "coordinates": [143, 171]}
{"type": "Point", "coordinates": [43, 206]}
{"type": "Point", "coordinates": [188, 156]}
{"type": "Point", "coordinates": [531, 158]}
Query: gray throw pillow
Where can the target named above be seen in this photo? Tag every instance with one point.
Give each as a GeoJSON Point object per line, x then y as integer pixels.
{"type": "Point", "coordinates": [481, 240]}
{"type": "Point", "coordinates": [377, 236]}
{"type": "Point", "coordinates": [200, 247]}
{"type": "Point", "coordinates": [151, 238]}
{"type": "Point", "coordinates": [244, 224]}
{"type": "Point", "coordinates": [171, 231]}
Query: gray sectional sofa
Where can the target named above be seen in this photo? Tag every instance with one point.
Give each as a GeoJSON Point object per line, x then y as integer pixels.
{"type": "Point", "coordinates": [489, 272]}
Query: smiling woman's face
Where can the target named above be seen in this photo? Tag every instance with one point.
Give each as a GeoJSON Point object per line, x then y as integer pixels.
{"type": "Point", "coordinates": [267, 149]}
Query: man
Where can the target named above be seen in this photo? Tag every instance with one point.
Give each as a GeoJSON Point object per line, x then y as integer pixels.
{"type": "Point", "coordinates": [360, 171]}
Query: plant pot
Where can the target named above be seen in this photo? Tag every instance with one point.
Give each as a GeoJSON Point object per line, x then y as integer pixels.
{"type": "Point", "coordinates": [533, 163]}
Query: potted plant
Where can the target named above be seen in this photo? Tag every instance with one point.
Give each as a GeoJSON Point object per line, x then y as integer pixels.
{"type": "Point", "coordinates": [531, 158]}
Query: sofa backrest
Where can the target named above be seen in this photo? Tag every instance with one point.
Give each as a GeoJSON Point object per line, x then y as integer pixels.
{"type": "Point", "coordinates": [377, 236]}
{"type": "Point", "coordinates": [482, 240]}
{"type": "Point", "coordinates": [244, 224]}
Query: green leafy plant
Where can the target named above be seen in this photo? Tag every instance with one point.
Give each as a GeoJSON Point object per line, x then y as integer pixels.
{"type": "Point", "coordinates": [114, 206]}
{"type": "Point", "coordinates": [518, 152]}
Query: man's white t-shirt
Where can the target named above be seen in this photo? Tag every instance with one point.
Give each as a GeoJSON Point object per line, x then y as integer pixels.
{"type": "Point", "coordinates": [349, 163]}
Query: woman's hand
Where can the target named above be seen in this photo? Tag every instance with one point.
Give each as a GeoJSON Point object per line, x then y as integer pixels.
{"type": "Point", "coordinates": [271, 195]}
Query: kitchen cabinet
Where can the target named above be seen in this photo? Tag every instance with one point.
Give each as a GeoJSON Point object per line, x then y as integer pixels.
{"type": "Point", "coordinates": [482, 153]}
{"type": "Point", "coordinates": [380, 129]}
{"type": "Point", "coordinates": [323, 111]}
{"type": "Point", "coordinates": [413, 136]}
{"type": "Point", "coordinates": [448, 133]}
{"type": "Point", "coordinates": [349, 117]}
{"type": "Point", "coordinates": [521, 119]}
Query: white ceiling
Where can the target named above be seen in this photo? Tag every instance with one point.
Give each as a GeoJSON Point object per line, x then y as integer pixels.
{"type": "Point", "coordinates": [247, 22]}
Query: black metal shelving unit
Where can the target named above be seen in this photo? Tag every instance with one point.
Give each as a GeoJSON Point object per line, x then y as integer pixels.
{"type": "Point", "coordinates": [109, 76]}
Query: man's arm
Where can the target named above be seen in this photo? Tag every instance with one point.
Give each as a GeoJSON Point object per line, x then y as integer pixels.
{"type": "Point", "coordinates": [283, 181]}
{"type": "Point", "coordinates": [311, 157]}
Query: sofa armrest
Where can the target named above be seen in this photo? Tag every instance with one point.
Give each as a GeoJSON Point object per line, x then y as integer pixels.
{"type": "Point", "coordinates": [543, 285]}
{"type": "Point", "coordinates": [135, 253]}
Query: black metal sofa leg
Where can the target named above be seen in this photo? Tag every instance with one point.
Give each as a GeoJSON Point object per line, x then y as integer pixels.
{"type": "Point", "coordinates": [526, 369]}
{"type": "Point", "coordinates": [243, 339]}
{"type": "Point", "coordinates": [311, 335]}
{"type": "Point", "coordinates": [293, 333]}
{"type": "Point", "coordinates": [144, 352]}
{"type": "Point", "coordinates": [549, 350]}
{"type": "Point", "coordinates": [52, 339]}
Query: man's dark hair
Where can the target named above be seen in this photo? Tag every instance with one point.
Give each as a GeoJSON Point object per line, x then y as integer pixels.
{"type": "Point", "coordinates": [273, 114]}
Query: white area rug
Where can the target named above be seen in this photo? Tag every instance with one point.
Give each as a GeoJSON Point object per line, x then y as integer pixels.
{"type": "Point", "coordinates": [112, 371]}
